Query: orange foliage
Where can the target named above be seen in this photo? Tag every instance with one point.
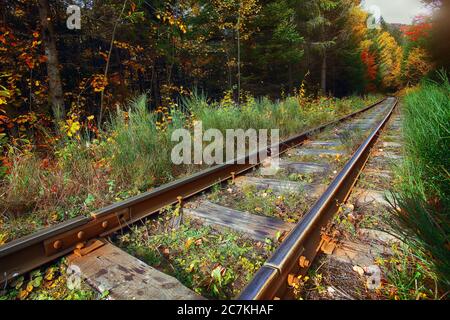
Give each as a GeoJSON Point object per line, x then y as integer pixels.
{"type": "Point", "coordinates": [369, 60]}
{"type": "Point", "coordinates": [417, 65]}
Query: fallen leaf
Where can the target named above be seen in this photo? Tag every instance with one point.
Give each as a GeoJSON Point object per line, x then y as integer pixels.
{"type": "Point", "coordinates": [358, 270]}
{"type": "Point", "coordinates": [23, 294]}
{"type": "Point", "coordinates": [331, 291]}
{"type": "Point", "coordinates": [188, 243]}
{"type": "Point", "coordinates": [30, 286]}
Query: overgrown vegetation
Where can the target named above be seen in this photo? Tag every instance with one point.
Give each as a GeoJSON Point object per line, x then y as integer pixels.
{"type": "Point", "coordinates": [423, 193]}
{"type": "Point", "coordinates": [214, 264]}
{"type": "Point", "coordinates": [408, 275]}
{"type": "Point", "coordinates": [87, 168]}
{"type": "Point", "coordinates": [51, 283]}
{"type": "Point", "coordinates": [287, 205]}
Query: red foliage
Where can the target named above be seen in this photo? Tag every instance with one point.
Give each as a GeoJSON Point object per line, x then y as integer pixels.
{"type": "Point", "coordinates": [368, 59]}
{"type": "Point", "coordinates": [420, 29]}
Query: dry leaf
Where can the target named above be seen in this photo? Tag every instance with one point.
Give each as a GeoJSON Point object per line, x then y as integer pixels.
{"type": "Point", "coordinates": [23, 294]}
{"type": "Point", "coordinates": [358, 270]}
{"type": "Point", "coordinates": [188, 243]}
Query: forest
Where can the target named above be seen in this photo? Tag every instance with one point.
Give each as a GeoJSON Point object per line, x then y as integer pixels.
{"type": "Point", "coordinates": [168, 48]}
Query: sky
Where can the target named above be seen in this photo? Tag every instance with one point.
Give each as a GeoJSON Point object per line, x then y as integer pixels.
{"type": "Point", "coordinates": [397, 11]}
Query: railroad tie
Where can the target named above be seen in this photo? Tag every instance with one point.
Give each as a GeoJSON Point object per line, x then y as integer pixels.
{"type": "Point", "coordinates": [125, 277]}
{"type": "Point", "coordinates": [254, 226]}
{"type": "Point", "coordinates": [279, 186]}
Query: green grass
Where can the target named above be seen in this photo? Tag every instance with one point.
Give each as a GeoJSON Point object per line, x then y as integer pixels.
{"type": "Point", "coordinates": [285, 115]}
{"type": "Point", "coordinates": [423, 193]}
{"type": "Point", "coordinates": [288, 205]}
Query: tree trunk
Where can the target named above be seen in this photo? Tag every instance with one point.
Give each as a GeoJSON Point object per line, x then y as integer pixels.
{"type": "Point", "coordinates": [291, 80]}
{"type": "Point", "coordinates": [54, 77]}
{"type": "Point", "coordinates": [111, 45]}
{"type": "Point", "coordinates": [323, 75]}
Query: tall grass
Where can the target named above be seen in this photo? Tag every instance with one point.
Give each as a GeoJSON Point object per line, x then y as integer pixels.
{"type": "Point", "coordinates": [139, 152]}
{"type": "Point", "coordinates": [286, 115]}
{"type": "Point", "coordinates": [423, 194]}
{"type": "Point", "coordinates": [133, 154]}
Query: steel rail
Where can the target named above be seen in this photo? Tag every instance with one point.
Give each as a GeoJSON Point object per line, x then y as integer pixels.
{"type": "Point", "coordinates": [25, 254]}
{"type": "Point", "coordinates": [295, 253]}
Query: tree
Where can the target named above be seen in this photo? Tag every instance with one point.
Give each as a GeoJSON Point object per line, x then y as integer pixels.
{"type": "Point", "coordinates": [439, 45]}
{"type": "Point", "coordinates": [54, 76]}
{"type": "Point", "coordinates": [277, 62]}
{"type": "Point", "coordinates": [324, 27]}
{"type": "Point", "coordinates": [417, 65]}
{"type": "Point", "coordinates": [391, 58]}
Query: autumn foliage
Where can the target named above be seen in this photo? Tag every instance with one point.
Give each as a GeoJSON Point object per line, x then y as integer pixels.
{"type": "Point", "coordinates": [369, 60]}
{"type": "Point", "coordinates": [420, 29]}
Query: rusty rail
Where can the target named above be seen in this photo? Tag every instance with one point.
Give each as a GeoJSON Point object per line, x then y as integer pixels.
{"type": "Point", "coordinates": [294, 255]}
{"type": "Point", "coordinates": [25, 254]}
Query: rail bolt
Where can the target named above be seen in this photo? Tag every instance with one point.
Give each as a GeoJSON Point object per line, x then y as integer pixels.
{"type": "Point", "coordinates": [57, 244]}
{"type": "Point", "coordinates": [81, 235]}
{"type": "Point", "coordinates": [105, 224]}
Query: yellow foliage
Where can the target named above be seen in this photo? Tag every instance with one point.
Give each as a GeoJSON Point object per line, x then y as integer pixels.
{"type": "Point", "coordinates": [227, 100]}
{"type": "Point", "coordinates": [71, 127]}
{"type": "Point", "coordinates": [357, 23]}
{"type": "Point", "coordinates": [99, 82]}
{"type": "Point", "coordinates": [417, 65]}
{"type": "Point", "coordinates": [391, 57]}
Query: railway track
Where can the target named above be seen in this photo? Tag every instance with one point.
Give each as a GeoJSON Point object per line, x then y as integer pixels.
{"type": "Point", "coordinates": [352, 271]}
{"type": "Point", "coordinates": [325, 155]}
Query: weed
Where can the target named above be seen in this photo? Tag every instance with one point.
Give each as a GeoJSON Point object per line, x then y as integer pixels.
{"type": "Point", "coordinates": [408, 274]}
{"type": "Point", "coordinates": [131, 155]}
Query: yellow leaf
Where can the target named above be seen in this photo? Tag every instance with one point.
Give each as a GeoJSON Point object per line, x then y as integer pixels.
{"type": "Point", "coordinates": [188, 243]}
{"type": "Point", "coordinates": [49, 274]}
{"type": "Point", "coordinates": [30, 287]}
{"type": "Point", "coordinates": [23, 294]}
